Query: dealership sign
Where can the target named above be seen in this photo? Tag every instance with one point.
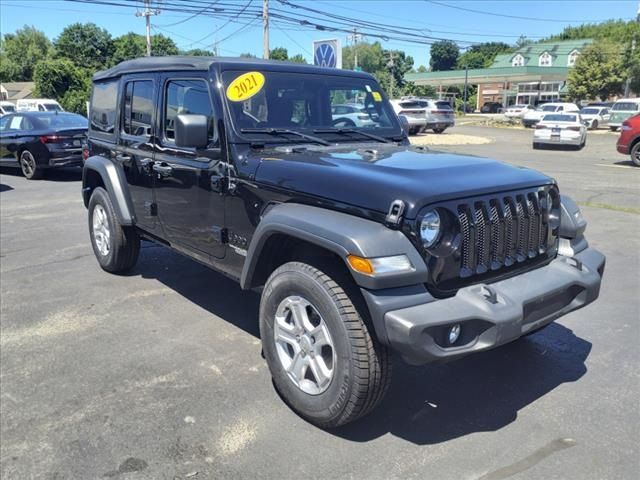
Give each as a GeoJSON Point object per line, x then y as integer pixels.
{"type": "Point", "coordinates": [327, 53]}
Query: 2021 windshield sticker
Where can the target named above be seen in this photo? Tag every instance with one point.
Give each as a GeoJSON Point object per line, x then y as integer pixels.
{"type": "Point", "coordinates": [245, 86]}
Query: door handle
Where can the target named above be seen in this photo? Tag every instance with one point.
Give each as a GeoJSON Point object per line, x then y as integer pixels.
{"type": "Point", "coordinates": [123, 158]}
{"type": "Point", "coordinates": [162, 170]}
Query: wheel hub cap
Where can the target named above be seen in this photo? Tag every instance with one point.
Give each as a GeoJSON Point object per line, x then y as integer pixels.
{"type": "Point", "coordinates": [304, 345]}
{"type": "Point", "coordinates": [101, 233]}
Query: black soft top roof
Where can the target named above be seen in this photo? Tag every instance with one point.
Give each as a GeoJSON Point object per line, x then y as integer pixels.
{"type": "Point", "coordinates": [185, 63]}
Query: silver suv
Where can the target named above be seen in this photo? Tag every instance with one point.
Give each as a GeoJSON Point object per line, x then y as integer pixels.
{"type": "Point", "coordinates": [438, 114]}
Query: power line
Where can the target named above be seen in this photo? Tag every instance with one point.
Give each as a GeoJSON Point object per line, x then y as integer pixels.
{"type": "Point", "coordinates": [192, 16]}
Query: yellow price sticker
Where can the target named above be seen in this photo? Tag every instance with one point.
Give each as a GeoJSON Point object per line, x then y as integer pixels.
{"type": "Point", "coordinates": [376, 96]}
{"type": "Point", "coordinates": [245, 86]}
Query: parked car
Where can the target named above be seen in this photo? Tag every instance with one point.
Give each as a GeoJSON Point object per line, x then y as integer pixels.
{"type": "Point", "coordinates": [358, 242]}
{"type": "Point", "coordinates": [629, 139]}
{"type": "Point", "coordinates": [516, 112]}
{"type": "Point", "coordinates": [601, 104]}
{"type": "Point", "coordinates": [37, 141]}
{"type": "Point", "coordinates": [532, 117]}
{"type": "Point", "coordinates": [560, 129]}
{"type": "Point", "coordinates": [491, 107]}
{"type": "Point", "coordinates": [6, 107]}
{"type": "Point", "coordinates": [351, 115]}
{"type": "Point", "coordinates": [414, 111]}
{"type": "Point", "coordinates": [438, 113]}
{"type": "Point", "coordinates": [621, 110]}
{"type": "Point", "coordinates": [38, 105]}
{"type": "Point", "coordinates": [594, 117]}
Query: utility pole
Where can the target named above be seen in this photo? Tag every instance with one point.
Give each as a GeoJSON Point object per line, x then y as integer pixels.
{"type": "Point", "coordinates": [391, 64]}
{"type": "Point", "coordinates": [147, 14]}
{"type": "Point", "coordinates": [354, 39]}
{"type": "Point", "coordinates": [265, 29]}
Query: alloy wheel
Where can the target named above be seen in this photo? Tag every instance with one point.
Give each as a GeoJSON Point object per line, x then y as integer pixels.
{"type": "Point", "coordinates": [101, 232]}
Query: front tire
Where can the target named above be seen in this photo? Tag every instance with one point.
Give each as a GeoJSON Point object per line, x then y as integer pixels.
{"type": "Point", "coordinates": [116, 247]}
{"type": "Point", "coordinates": [30, 168]}
{"type": "Point", "coordinates": [323, 360]}
{"type": "Point", "coordinates": [438, 130]}
{"type": "Point", "coordinates": [594, 125]}
{"type": "Point", "coordinates": [635, 154]}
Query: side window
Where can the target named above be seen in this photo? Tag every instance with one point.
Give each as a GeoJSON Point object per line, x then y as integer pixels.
{"type": "Point", "coordinates": [4, 123]}
{"type": "Point", "coordinates": [41, 108]}
{"type": "Point", "coordinates": [137, 108]}
{"type": "Point", "coordinates": [605, 111]}
{"type": "Point", "coordinates": [560, 109]}
{"type": "Point", "coordinates": [186, 97]}
{"type": "Point", "coordinates": [27, 124]}
{"type": "Point", "coordinates": [16, 123]}
{"type": "Point", "coordinates": [102, 112]}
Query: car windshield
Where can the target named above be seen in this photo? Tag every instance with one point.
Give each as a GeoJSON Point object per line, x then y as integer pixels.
{"type": "Point", "coordinates": [559, 118]}
{"type": "Point", "coordinates": [590, 111]}
{"type": "Point", "coordinates": [260, 102]}
{"type": "Point", "coordinates": [626, 107]}
{"type": "Point", "coordinates": [52, 107]}
{"type": "Point", "coordinates": [547, 108]}
{"type": "Point", "coordinates": [62, 120]}
{"type": "Point", "coordinates": [8, 108]}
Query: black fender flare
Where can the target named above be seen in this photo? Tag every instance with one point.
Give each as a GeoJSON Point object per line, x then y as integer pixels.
{"type": "Point", "coordinates": [340, 233]}
{"type": "Point", "coordinates": [115, 183]}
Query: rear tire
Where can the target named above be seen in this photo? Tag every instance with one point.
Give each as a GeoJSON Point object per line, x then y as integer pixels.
{"type": "Point", "coordinates": [536, 146]}
{"type": "Point", "coordinates": [594, 125]}
{"type": "Point", "coordinates": [116, 247]}
{"type": "Point", "coordinates": [353, 369]}
{"type": "Point", "coordinates": [30, 168]}
{"type": "Point", "coordinates": [635, 154]}
{"type": "Point", "coordinates": [438, 130]}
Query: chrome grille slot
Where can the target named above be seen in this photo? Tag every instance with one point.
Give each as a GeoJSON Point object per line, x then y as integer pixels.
{"type": "Point", "coordinates": [502, 230]}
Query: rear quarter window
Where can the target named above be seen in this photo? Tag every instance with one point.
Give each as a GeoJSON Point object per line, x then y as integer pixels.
{"type": "Point", "coordinates": [102, 112]}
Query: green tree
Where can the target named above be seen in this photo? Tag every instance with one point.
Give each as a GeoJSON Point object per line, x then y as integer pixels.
{"type": "Point", "coordinates": [197, 52]}
{"type": "Point", "coordinates": [370, 57]}
{"type": "Point", "coordinates": [444, 55]}
{"type": "Point", "coordinates": [298, 58]}
{"type": "Point", "coordinates": [482, 55]}
{"type": "Point", "coordinates": [86, 45]}
{"type": "Point", "coordinates": [62, 80]}
{"type": "Point", "coordinates": [619, 31]}
{"type": "Point", "coordinates": [279, 53]}
{"type": "Point", "coordinates": [131, 45]}
{"type": "Point", "coordinates": [247, 55]}
{"type": "Point", "coordinates": [20, 52]}
{"type": "Point", "coordinates": [599, 72]}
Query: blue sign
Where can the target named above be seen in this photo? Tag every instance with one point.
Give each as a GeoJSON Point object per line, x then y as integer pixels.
{"type": "Point", "coordinates": [327, 53]}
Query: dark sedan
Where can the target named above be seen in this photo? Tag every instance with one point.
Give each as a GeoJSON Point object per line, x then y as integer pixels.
{"type": "Point", "coordinates": [36, 141]}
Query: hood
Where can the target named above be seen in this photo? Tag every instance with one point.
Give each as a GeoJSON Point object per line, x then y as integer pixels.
{"type": "Point", "coordinates": [371, 176]}
{"type": "Point", "coordinates": [531, 114]}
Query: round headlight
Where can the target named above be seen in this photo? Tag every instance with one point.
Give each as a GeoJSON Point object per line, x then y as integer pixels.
{"type": "Point", "coordinates": [430, 228]}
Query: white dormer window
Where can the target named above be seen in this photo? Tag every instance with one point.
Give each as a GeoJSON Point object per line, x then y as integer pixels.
{"type": "Point", "coordinates": [517, 61]}
{"type": "Point", "coordinates": [545, 60]}
{"type": "Point", "coordinates": [573, 56]}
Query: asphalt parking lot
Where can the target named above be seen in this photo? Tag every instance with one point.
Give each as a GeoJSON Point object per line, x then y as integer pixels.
{"type": "Point", "coordinates": [158, 374]}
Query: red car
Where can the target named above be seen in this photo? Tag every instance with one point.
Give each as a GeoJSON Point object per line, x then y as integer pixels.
{"type": "Point", "coordinates": [629, 140]}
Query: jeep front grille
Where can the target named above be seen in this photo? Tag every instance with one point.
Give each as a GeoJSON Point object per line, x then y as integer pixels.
{"type": "Point", "coordinates": [497, 233]}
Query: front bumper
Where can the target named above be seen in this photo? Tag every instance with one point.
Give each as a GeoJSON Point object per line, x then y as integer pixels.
{"type": "Point", "coordinates": [495, 314]}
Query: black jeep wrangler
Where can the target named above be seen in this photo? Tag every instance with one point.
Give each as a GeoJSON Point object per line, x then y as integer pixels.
{"type": "Point", "coordinates": [360, 243]}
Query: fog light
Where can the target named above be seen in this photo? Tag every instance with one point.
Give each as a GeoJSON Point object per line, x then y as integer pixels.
{"type": "Point", "coordinates": [454, 334]}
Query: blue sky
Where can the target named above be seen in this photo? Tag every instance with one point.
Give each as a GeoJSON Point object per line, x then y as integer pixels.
{"type": "Point", "coordinates": [539, 18]}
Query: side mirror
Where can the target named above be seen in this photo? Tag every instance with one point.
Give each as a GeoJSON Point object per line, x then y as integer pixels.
{"type": "Point", "coordinates": [404, 123]}
{"type": "Point", "coordinates": [191, 131]}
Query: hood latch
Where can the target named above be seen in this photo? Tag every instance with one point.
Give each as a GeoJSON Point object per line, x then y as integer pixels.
{"type": "Point", "coordinates": [394, 217]}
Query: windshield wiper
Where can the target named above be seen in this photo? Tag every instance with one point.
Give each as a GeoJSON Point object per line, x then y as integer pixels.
{"type": "Point", "coordinates": [377, 138]}
{"type": "Point", "coordinates": [285, 131]}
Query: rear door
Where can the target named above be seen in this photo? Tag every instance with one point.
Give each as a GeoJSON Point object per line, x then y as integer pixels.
{"type": "Point", "coordinates": [135, 145]}
{"type": "Point", "coordinates": [190, 203]}
{"type": "Point", "coordinates": [11, 131]}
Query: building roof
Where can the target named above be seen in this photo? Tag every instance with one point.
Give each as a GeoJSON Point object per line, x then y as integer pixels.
{"type": "Point", "coordinates": [18, 90]}
{"type": "Point", "coordinates": [558, 50]}
{"type": "Point", "coordinates": [502, 70]}
{"type": "Point", "coordinates": [186, 63]}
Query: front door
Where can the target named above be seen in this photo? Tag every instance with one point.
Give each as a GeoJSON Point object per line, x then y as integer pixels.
{"type": "Point", "coordinates": [190, 204]}
{"type": "Point", "coordinates": [135, 146]}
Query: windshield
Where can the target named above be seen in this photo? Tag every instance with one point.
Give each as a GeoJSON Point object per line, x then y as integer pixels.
{"type": "Point", "coordinates": [626, 107]}
{"type": "Point", "coordinates": [444, 105]}
{"type": "Point", "coordinates": [52, 107]}
{"type": "Point", "coordinates": [589, 111]}
{"type": "Point", "coordinates": [8, 108]}
{"type": "Point", "coordinates": [547, 108]}
{"type": "Point", "coordinates": [305, 102]}
{"type": "Point", "coordinates": [559, 118]}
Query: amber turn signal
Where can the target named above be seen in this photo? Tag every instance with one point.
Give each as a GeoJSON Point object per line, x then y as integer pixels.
{"type": "Point", "coordinates": [359, 264]}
